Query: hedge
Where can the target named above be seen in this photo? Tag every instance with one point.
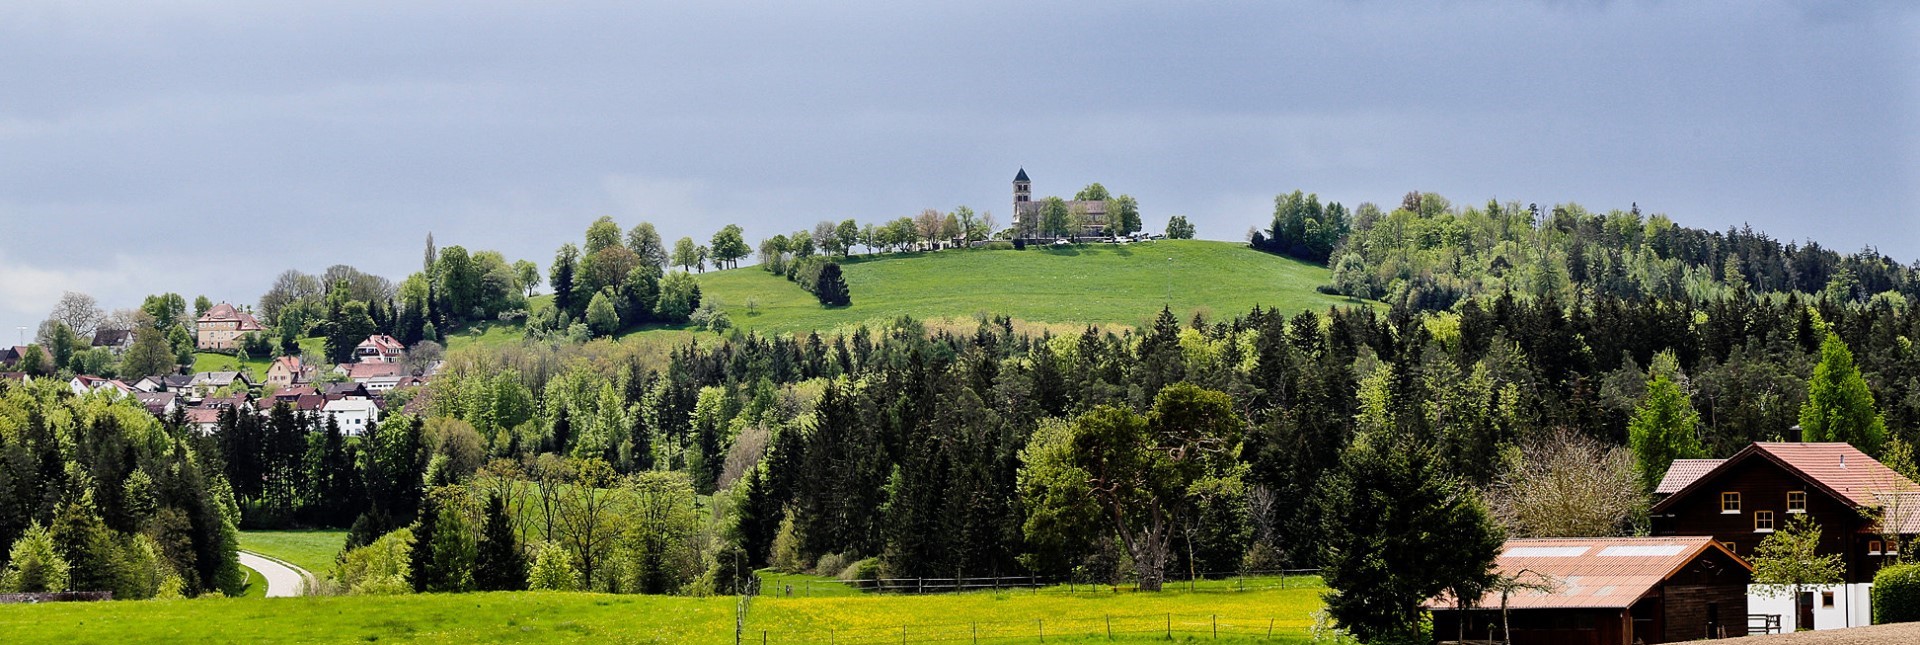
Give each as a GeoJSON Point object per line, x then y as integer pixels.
{"type": "Point", "coordinates": [1896, 594]}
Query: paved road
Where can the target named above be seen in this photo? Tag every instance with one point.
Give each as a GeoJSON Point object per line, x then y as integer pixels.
{"type": "Point", "coordinates": [282, 580]}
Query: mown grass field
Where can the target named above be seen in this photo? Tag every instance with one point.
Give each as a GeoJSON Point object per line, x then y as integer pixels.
{"type": "Point", "coordinates": [544, 617]}
{"type": "Point", "coordinates": [310, 550]}
{"type": "Point", "coordinates": [1092, 283]}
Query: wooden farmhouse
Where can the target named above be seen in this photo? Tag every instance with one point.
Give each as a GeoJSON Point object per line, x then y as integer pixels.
{"type": "Point", "coordinates": [1741, 500]}
{"type": "Point", "coordinates": [1606, 591]}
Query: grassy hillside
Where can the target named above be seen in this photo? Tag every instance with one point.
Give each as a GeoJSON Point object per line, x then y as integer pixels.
{"type": "Point", "coordinates": [1095, 283]}
{"type": "Point", "coordinates": [310, 550]}
{"type": "Point", "coordinates": [535, 617]}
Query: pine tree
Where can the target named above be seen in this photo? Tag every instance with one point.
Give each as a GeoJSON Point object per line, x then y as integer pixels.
{"type": "Point", "coordinates": [452, 553]}
{"type": "Point", "coordinates": [1399, 530]}
{"type": "Point", "coordinates": [831, 286]}
{"type": "Point", "coordinates": [423, 576]}
{"type": "Point", "coordinates": [499, 564]}
{"type": "Point", "coordinates": [1839, 406]}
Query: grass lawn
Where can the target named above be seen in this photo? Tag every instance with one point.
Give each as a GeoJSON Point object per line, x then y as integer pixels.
{"type": "Point", "coordinates": [521, 617]}
{"type": "Point", "coordinates": [1026, 615]}
{"type": "Point", "coordinates": [256, 585]}
{"type": "Point", "coordinates": [1093, 283]}
{"type": "Point", "coordinates": [543, 617]}
{"type": "Point", "coordinates": [256, 368]}
{"type": "Point", "coordinates": [774, 583]}
{"type": "Point", "coordinates": [310, 550]}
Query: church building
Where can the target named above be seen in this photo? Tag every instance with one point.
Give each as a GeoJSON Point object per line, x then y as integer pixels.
{"type": "Point", "coordinates": [1027, 213]}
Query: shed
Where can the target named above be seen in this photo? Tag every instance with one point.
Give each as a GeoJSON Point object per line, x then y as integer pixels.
{"type": "Point", "coordinates": [1608, 591]}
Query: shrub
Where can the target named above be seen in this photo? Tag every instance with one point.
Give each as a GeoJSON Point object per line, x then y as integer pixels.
{"type": "Point", "coordinates": [1262, 557]}
{"type": "Point", "coordinates": [380, 568]}
{"type": "Point", "coordinates": [832, 564]}
{"type": "Point", "coordinates": [998, 245]}
{"type": "Point", "coordinates": [552, 569]}
{"type": "Point", "coordinates": [1896, 594]}
{"type": "Point", "coordinates": [868, 569]}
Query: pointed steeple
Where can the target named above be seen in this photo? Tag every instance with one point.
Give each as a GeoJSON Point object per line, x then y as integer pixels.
{"type": "Point", "coordinates": [1022, 176]}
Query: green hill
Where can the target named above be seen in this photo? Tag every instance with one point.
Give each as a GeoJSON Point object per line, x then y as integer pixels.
{"type": "Point", "coordinates": [1097, 283]}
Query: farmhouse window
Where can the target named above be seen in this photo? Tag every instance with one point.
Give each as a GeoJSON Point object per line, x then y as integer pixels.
{"type": "Point", "coordinates": [1797, 501]}
{"type": "Point", "coordinates": [1729, 502]}
{"type": "Point", "coordinates": [1873, 547]}
{"type": "Point", "coordinates": [1763, 521]}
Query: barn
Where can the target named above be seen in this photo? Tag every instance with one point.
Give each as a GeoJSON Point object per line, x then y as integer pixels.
{"type": "Point", "coordinates": [1605, 591]}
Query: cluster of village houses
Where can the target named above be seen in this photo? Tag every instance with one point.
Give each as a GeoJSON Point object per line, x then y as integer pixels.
{"type": "Point", "coordinates": [351, 393]}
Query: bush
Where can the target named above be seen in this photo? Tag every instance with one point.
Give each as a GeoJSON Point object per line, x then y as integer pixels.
{"type": "Point", "coordinates": [1262, 557]}
{"type": "Point", "coordinates": [831, 564]}
{"type": "Point", "coordinates": [380, 568]}
{"type": "Point", "coordinates": [552, 569]}
{"type": "Point", "coordinates": [1896, 594]}
{"type": "Point", "coordinates": [868, 569]}
{"type": "Point", "coordinates": [998, 245]}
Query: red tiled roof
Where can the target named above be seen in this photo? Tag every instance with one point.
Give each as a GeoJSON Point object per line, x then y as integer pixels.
{"type": "Point", "coordinates": [358, 371]}
{"type": "Point", "coordinates": [1837, 468]}
{"type": "Point", "coordinates": [224, 312]}
{"type": "Point", "coordinates": [1592, 572]}
{"type": "Point", "coordinates": [1683, 472]}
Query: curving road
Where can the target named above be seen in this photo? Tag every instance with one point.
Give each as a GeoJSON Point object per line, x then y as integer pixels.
{"type": "Point", "coordinates": [283, 580]}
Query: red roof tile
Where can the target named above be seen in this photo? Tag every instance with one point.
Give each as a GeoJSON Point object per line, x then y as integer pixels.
{"type": "Point", "coordinates": [1837, 468]}
{"type": "Point", "coordinates": [1683, 472]}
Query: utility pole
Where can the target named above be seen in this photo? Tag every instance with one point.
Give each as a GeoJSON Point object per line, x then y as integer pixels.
{"type": "Point", "coordinates": [23, 335]}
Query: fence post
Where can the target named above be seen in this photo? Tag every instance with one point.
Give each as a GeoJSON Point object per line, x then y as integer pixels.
{"type": "Point", "coordinates": [1269, 628]}
{"type": "Point", "coordinates": [1169, 625]}
{"type": "Point", "coordinates": [1109, 626]}
{"type": "Point", "coordinates": [976, 632]}
{"type": "Point", "coordinates": [1216, 627]}
{"type": "Point", "coordinates": [903, 635]}
{"type": "Point", "coordinates": [763, 637]}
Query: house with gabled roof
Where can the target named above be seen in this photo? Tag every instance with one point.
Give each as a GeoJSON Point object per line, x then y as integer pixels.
{"type": "Point", "coordinates": [223, 327]}
{"type": "Point", "coordinates": [1605, 591]}
{"type": "Point", "coordinates": [115, 340]}
{"type": "Point", "coordinates": [288, 371]}
{"type": "Point", "coordinates": [1741, 500]}
{"type": "Point", "coordinates": [379, 348]}
{"type": "Point", "coordinates": [83, 383]}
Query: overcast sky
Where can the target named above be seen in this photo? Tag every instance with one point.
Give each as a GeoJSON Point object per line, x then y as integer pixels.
{"type": "Point", "coordinates": [203, 148]}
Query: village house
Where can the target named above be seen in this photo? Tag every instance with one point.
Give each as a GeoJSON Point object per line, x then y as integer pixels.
{"type": "Point", "coordinates": [363, 372]}
{"type": "Point", "coordinates": [84, 383]}
{"type": "Point", "coordinates": [1741, 500]}
{"type": "Point", "coordinates": [287, 371]}
{"type": "Point", "coordinates": [176, 383]}
{"type": "Point", "coordinates": [10, 356]}
{"type": "Point", "coordinates": [1606, 591]}
{"type": "Point", "coordinates": [207, 383]}
{"type": "Point", "coordinates": [354, 415]}
{"type": "Point", "coordinates": [16, 377]}
{"type": "Point", "coordinates": [223, 327]}
{"type": "Point", "coordinates": [160, 404]}
{"type": "Point", "coordinates": [379, 348]}
{"type": "Point", "coordinates": [115, 340]}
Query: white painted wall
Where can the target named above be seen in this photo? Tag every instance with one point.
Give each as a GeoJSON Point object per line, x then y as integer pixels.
{"type": "Point", "coordinates": [1850, 608]}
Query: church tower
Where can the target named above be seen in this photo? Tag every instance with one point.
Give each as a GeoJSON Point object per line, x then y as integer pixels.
{"type": "Point", "coordinates": [1022, 188]}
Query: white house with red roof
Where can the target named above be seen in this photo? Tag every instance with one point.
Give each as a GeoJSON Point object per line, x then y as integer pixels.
{"type": "Point", "coordinates": [379, 348]}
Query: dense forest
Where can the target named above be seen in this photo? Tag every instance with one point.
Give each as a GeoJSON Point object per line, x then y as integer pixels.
{"type": "Point", "coordinates": [1182, 447]}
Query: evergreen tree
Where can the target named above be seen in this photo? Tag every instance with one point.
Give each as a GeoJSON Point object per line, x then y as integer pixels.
{"type": "Point", "coordinates": [1839, 406]}
{"type": "Point", "coordinates": [560, 278]}
{"type": "Point", "coordinates": [499, 564]}
{"type": "Point", "coordinates": [34, 564]}
{"type": "Point", "coordinates": [1399, 530]}
{"type": "Point", "coordinates": [450, 553]}
{"type": "Point", "coordinates": [831, 287]}
{"type": "Point", "coordinates": [601, 318]}
{"type": "Point", "coordinates": [423, 576]}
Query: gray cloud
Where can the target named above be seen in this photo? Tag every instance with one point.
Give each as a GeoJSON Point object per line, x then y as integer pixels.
{"type": "Point", "coordinates": [203, 148]}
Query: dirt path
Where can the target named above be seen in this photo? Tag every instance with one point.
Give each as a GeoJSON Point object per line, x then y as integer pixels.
{"type": "Point", "coordinates": [1901, 633]}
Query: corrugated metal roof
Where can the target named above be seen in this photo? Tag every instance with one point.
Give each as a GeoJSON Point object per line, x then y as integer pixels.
{"type": "Point", "coordinates": [1599, 573]}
